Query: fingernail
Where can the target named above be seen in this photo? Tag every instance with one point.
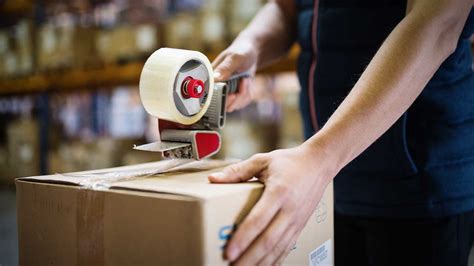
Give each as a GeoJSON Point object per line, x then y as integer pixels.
{"type": "Point", "coordinates": [233, 254]}
{"type": "Point", "coordinates": [218, 175]}
{"type": "Point", "coordinates": [217, 75]}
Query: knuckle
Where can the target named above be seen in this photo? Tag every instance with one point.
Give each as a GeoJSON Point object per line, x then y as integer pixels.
{"type": "Point", "coordinates": [234, 168]}
{"type": "Point", "coordinates": [280, 190]}
{"type": "Point", "coordinates": [229, 170]}
{"type": "Point", "coordinates": [290, 196]}
{"type": "Point", "coordinates": [256, 156]}
{"type": "Point", "coordinates": [237, 55]}
{"type": "Point", "coordinates": [279, 248]}
{"type": "Point", "coordinates": [268, 243]}
{"type": "Point", "coordinates": [291, 205]}
{"type": "Point", "coordinates": [259, 157]}
{"type": "Point", "coordinates": [225, 66]}
{"type": "Point", "coordinates": [292, 225]}
{"type": "Point", "coordinates": [258, 224]}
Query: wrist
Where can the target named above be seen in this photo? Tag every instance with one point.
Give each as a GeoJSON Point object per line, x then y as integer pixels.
{"type": "Point", "coordinates": [325, 150]}
{"type": "Point", "coordinates": [251, 39]}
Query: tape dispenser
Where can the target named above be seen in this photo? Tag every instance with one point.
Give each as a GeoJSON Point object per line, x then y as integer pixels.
{"type": "Point", "coordinates": [178, 88]}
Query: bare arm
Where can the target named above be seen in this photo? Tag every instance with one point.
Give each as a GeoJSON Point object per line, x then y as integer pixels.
{"type": "Point", "coordinates": [267, 37]}
{"type": "Point", "coordinates": [273, 30]}
{"type": "Point", "coordinates": [397, 74]}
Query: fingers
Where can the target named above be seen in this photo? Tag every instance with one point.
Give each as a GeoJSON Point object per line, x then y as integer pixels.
{"type": "Point", "coordinates": [254, 224]}
{"type": "Point", "coordinates": [219, 59]}
{"type": "Point", "coordinates": [283, 246]}
{"type": "Point", "coordinates": [229, 102]}
{"type": "Point", "coordinates": [240, 172]}
{"type": "Point", "coordinates": [226, 67]}
{"type": "Point", "coordinates": [242, 98]}
{"type": "Point", "coordinates": [266, 242]}
{"type": "Point", "coordinates": [299, 226]}
{"type": "Point", "coordinates": [289, 248]}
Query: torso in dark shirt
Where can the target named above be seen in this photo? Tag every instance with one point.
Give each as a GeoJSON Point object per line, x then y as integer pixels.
{"type": "Point", "coordinates": [424, 164]}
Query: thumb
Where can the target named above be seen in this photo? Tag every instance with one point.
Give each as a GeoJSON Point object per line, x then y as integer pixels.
{"type": "Point", "coordinates": [225, 69]}
{"type": "Point", "coordinates": [240, 172]}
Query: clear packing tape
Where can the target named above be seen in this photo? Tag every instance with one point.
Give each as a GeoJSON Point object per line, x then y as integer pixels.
{"type": "Point", "coordinates": [103, 180]}
{"type": "Point", "coordinates": [161, 81]}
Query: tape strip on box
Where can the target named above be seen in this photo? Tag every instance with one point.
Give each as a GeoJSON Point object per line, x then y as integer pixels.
{"type": "Point", "coordinates": [104, 180]}
{"type": "Point", "coordinates": [90, 227]}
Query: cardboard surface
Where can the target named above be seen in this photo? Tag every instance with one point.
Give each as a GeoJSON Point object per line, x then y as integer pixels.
{"type": "Point", "coordinates": [174, 218]}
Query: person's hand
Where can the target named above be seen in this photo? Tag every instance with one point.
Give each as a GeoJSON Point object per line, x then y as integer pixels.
{"type": "Point", "coordinates": [240, 57]}
{"type": "Point", "coordinates": [295, 180]}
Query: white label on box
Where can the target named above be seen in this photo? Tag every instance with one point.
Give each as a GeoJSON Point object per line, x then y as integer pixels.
{"type": "Point", "coordinates": [321, 256]}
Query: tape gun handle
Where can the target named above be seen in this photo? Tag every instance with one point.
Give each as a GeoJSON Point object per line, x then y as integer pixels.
{"type": "Point", "coordinates": [233, 82]}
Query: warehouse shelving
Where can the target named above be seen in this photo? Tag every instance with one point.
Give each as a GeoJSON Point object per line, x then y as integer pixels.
{"type": "Point", "coordinates": [41, 82]}
{"type": "Point", "coordinates": [9, 7]}
{"type": "Point", "coordinates": [103, 76]}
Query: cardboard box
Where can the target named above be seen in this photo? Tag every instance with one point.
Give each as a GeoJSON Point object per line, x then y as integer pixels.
{"type": "Point", "coordinates": [85, 53]}
{"type": "Point", "coordinates": [23, 148]}
{"type": "Point", "coordinates": [174, 218]}
{"type": "Point", "coordinates": [54, 47]}
{"type": "Point", "coordinates": [24, 46]}
{"type": "Point", "coordinates": [183, 31]}
{"type": "Point", "coordinates": [5, 174]}
{"type": "Point", "coordinates": [126, 42]}
{"type": "Point", "coordinates": [65, 46]}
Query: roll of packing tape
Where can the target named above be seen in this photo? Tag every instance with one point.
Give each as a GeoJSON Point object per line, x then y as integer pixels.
{"type": "Point", "coordinates": [177, 85]}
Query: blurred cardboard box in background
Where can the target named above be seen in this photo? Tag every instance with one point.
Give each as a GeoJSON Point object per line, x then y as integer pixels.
{"type": "Point", "coordinates": [23, 148]}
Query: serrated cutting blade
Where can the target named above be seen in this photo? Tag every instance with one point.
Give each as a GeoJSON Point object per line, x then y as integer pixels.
{"type": "Point", "coordinates": [161, 146]}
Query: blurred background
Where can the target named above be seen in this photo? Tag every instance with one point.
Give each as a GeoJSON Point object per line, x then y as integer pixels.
{"type": "Point", "coordinates": [69, 73]}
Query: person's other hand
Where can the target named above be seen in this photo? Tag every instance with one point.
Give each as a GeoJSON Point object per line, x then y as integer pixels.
{"type": "Point", "coordinates": [240, 57]}
{"type": "Point", "coordinates": [295, 180]}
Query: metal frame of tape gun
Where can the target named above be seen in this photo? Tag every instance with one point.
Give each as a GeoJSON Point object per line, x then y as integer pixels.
{"type": "Point", "coordinates": [177, 87]}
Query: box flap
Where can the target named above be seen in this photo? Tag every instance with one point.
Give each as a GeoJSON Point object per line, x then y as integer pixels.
{"type": "Point", "coordinates": [189, 179]}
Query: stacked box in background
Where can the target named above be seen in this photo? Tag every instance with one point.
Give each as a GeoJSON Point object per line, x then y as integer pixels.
{"type": "Point", "coordinates": [239, 13]}
{"type": "Point", "coordinates": [272, 122]}
{"type": "Point", "coordinates": [182, 31]}
{"type": "Point", "coordinates": [16, 49]}
{"type": "Point", "coordinates": [4, 53]}
{"type": "Point", "coordinates": [23, 147]}
{"type": "Point", "coordinates": [88, 34]}
{"type": "Point", "coordinates": [213, 26]}
{"type": "Point", "coordinates": [100, 153]}
{"type": "Point", "coordinates": [24, 46]}
{"type": "Point", "coordinates": [291, 124]}
{"type": "Point", "coordinates": [5, 174]}
{"type": "Point", "coordinates": [126, 42]}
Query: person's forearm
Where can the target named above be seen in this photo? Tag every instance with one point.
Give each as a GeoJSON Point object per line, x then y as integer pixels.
{"type": "Point", "coordinates": [396, 75]}
{"type": "Point", "coordinates": [272, 30]}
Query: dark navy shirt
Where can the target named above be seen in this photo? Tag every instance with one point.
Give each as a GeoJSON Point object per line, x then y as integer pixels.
{"type": "Point", "coordinates": [424, 164]}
